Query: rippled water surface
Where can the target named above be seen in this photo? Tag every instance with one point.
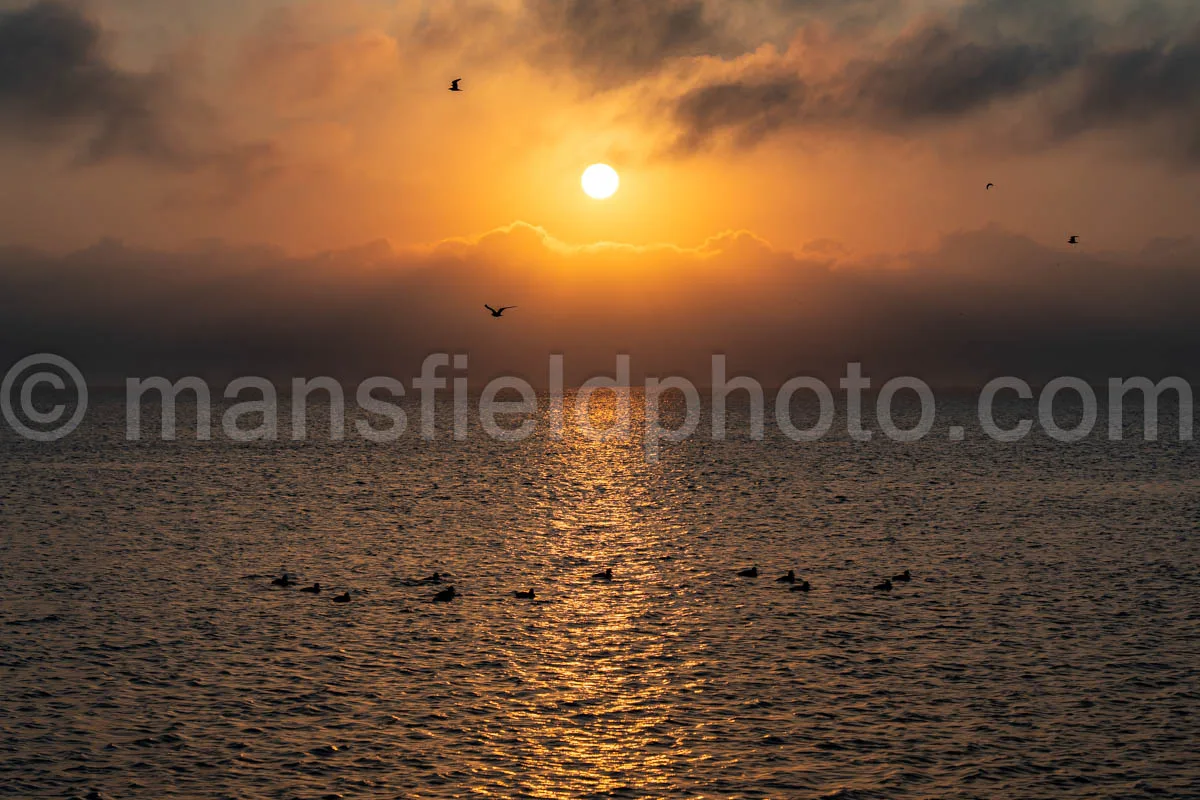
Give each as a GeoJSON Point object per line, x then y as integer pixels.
{"type": "Point", "coordinates": [1047, 647]}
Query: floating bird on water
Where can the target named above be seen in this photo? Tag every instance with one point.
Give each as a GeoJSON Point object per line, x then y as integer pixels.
{"type": "Point", "coordinates": [749, 573]}
{"type": "Point", "coordinates": [802, 586]}
{"type": "Point", "coordinates": [524, 595]}
{"type": "Point", "coordinates": [283, 581]}
{"type": "Point", "coordinates": [903, 577]}
{"type": "Point", "coordinates": [497, 312]}
{"type": "Point", "coordinates": [886, 586]}
{"type": "Point", "coordinates": [445, 596]}
{"type": "Point", "coordinates": [603, 576]}
{"type": "Point", "coordinates": [1073, 240]}
{"type": "Point", "coordinates": [454, 85]}
{"type": "Point", "coordinates": [789, 578]}
{"type": "Point", "coordinates": [314, 589]}
{"type": "Point", "coordinates": [342, 598]}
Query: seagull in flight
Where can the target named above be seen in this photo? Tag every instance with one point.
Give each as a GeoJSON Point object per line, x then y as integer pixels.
{"type": "Point", "coordinates": [1073, 240]}
{"type": "Point", "coordinates": [497, 312]}
{"type": "Point", "coordinates": [454, 85]}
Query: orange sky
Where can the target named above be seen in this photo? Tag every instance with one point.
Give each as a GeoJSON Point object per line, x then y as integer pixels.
{"type": "Point", "coordinates": [316, 125]}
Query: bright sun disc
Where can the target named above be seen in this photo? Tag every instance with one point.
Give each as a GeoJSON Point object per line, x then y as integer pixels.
{"type": "Point", "coordinates": [600, 181]}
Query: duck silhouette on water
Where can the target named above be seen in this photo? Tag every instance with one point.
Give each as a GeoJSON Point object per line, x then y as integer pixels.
{"type": "Point", "coordinates": [885, 586]}
{"type": "Point", "coordinates": [314, 589]}
{"type": "Point", "coordinates": [285, 580]}
{"type": "Point", "coordinates": [342, 598]}
{"type": "Point", "coordinates": [789, 578]}
{"type": "Point", "coordinates": [802, 586]}
{"type": "Point", "coordinates": [749, 573]}
{"type": "Point", "coordinates": [903, 577]}
{"type": "Point", "coordinates": [524, 595]}
{"type": "Point", "coordinates": [445, 596]}
{"type": "Point", "coordinates": [606, 575]}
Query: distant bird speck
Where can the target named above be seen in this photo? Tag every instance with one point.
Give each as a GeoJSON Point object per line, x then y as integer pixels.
{"type": "Point", "coordinates": [1073, 240]}
{"type": "Point", "coordinates": [497, 312]}
{"type": "Point", "coordinates": [606, 575]}
{"type": "Point", "coordinates": [749, 573]}
{"type": "Point", "coordinates": [454, 85]}
{"type": "Point", "coordinates": [342, 598]}
{"type": "Point", "coordinates": [886, 586]}
{"type": "Point", "coordinates": [524, 595]}
{"type": "Point", "coordinates": [990, 185]}
{"type": "Point", "coordinates": [445, 596]}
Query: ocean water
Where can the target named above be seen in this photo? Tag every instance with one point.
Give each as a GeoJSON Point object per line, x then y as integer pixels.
{"type": "Point", "coordinates": [1047, 646]}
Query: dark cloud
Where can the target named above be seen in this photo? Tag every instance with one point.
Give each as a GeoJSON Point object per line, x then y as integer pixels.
{"type": "Point", "coordinates": [1157, 83]}
{"type": "Point", "coordinates": [1075, 74]}
{"type": "Point", "coordinates": [938, 71]}
{"type": "Point", "coordinates": [941, 71]}
{"type": "Point", "coordinates": [751, 109]}
{"type": "Point", "coordinates": [614, 41]}
{"type": "Point", "coordinates": [840, 14]}
{"type": "Point", "coordinates": [982, 304]}
{"type": "Point", "coordinates": [56, 82]}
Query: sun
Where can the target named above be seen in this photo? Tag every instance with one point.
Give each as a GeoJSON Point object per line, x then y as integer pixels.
{"type": "Point", "coordinates": [600, 181]}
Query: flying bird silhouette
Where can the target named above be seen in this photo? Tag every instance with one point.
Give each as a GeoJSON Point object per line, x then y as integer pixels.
{"type": "Point", "coordinates": [497, 312]}
{"type": "Point", "coordinates": [454, 85]}
{"type": "Point", "coordinates": [1073, 240]}
{"type": "Point", "coordinates": [990, 185]}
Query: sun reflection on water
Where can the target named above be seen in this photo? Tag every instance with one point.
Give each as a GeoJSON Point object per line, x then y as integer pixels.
{"type": "Point", "coordinates": [597, 709]}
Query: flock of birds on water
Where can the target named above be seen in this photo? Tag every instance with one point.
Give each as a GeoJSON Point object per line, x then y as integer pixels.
{"type": "Point", "coordinates": [448, 594]}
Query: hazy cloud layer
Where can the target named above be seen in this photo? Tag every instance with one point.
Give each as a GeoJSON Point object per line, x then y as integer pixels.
{"type": "Point", "coordinates": [57, 83]}
{"type": "Point", "coordinates": [983, 304]}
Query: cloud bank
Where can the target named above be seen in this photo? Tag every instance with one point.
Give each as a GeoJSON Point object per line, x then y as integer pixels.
{"type": "Point", "coordinates": [982, 304]}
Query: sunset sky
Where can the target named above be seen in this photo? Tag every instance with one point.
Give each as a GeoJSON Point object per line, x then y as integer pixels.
{"type": "Point", "coordinates": [822, 146]}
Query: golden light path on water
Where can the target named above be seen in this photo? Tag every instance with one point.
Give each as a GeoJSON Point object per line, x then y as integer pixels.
{"type": "Point", "coordinates": [603, 704]}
